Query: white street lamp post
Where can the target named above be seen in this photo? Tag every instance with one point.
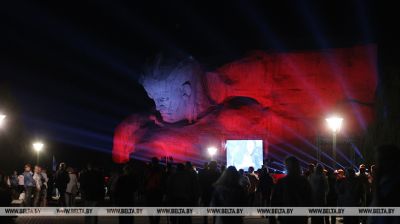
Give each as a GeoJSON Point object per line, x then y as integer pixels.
{"type": "Point", "coordinates": [334, 123]}
{"type": "Point", "coordinates": [38, 146]}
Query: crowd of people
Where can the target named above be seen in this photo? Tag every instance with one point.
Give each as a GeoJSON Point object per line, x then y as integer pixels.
{"type": "Point", "coordinates": [182, 185]}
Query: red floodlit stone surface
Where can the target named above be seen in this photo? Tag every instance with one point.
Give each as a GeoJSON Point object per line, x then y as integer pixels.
{"type": "Point", "coordinates": [277, 97]}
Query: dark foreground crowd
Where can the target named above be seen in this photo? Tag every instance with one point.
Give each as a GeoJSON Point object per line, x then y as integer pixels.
{"type": "Point", "coordinates": [181, 185]}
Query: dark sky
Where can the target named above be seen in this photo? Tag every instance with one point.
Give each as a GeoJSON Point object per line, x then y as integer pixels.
{"type": "Point", "coordinates": [72, 67]}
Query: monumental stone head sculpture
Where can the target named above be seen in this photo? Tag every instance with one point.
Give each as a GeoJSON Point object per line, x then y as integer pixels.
{"type": "Point", "coordinates": [176, 88]}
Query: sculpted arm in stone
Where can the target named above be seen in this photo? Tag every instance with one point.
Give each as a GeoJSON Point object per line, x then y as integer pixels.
{"type": "Point", "coordinates": [126, 135]}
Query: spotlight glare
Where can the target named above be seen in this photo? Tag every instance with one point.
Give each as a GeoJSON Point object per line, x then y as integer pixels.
{"type": "Point", "coordinates": [212, 151]}
{"type": "Point", "coordinates": [334, 123]}
{"type": "Point", "coordinates": [2, 118]}
{"type": "Point", "coordinates": [38, 146]}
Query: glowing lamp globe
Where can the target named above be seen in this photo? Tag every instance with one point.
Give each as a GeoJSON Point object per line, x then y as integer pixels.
{"type": "Point", "coordinates": [38, 146]}
{"type": "Point", "coordinates": [212, 151]}
{"type": "Point", "coordinates": [334, 123]}
{"type": "Point", "coordinates": [2, 117]}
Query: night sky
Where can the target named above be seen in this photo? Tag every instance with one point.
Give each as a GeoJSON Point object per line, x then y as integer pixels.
{"type": "Point", "coordinates": [72, 67]}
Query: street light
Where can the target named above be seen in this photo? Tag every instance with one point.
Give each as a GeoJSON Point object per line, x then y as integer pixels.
{"type": "Point", "coordinates": [334, 123]}
{"type": "Point", "coordinates": [2, 117]}
{"type": "Point", "coordinates": [38, 146]}
{"type": "Point", "coordinates": [212, 151]}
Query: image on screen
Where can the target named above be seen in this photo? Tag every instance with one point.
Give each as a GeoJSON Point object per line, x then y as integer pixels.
{"type": "Point", "coordinates": [244, 153]}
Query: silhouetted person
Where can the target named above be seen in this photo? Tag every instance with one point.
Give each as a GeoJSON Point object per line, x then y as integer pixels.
{"type": "Point", "coordinates": [50, 185]}
{"type": "Point", "coordinates": [193, 177]}
{"type": "Point", "coordinates": [45, 187]}
{"type": "Point", "coordinates": [207, 178]}
{"type": "Point", "coordinates": [293, 190]}
{"type": "Point", "coordinates": [92, 189]}
{"type": "Point", "coordinates": [202, 176]}
{"type": "Point", "coordinates": [319, 189]}
{"type": "Point", "coordinates": [40, 188]}
{"type": "Point", "coordinates": [350, 191]}
{"type": "Point", "coordinates": [14, 184]}
{"type": "Point", "coordinates": [154, 187]}
{"type": "Point", "coordinates": [340, 174]}
{"type": "Point", "coordinates": [244, 181]}
{"type": "Point", "coordinates": [112, 183]}
{"type": "Point", "coordinates": [372, 176]}
{"type": "Point", "coordinates": [125, 188]}
{"type": "Point", "coordinates": [5, 198]}
{"type": "Point", "coordinates": [310, 170]}
{"type": "Point", "coordinates": [21, 183]}
{"type": "Point", "coordinates": [29, 185]}
{"type": "Point", "coordinates": [189, 167]}
{"type": "Point", "coordinates": [61, 180]}
{"type": "Point", "coordinates": [372, 181]}
{"type": "Point", "coordinates": [182, 191]}
{"type": "Point", "coordinates": [253, 186]}
{"type": "Point", "coordinates": [72, 188]}
{"type": "Point", "coordinates": [331, 197]}
{"type": "Point", "coordinates": [222, 168]}
{"type": "Point", "coordinates": [265, 186]}
{"type": "Point", "coordinates": [363, 176]}
{"type": "Point", "coordinates": [387, 182]}
{"type": "Point", "coordinates": [229, 193]}
{"type": "Point", "coordinates": [205, 167]}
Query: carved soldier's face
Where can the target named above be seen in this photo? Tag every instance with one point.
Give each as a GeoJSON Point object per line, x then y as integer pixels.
{"type": "Point", "coordinates": [172, 100]}
{"type": "Point", "coordinates": [176, 90]}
